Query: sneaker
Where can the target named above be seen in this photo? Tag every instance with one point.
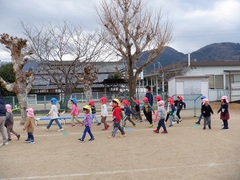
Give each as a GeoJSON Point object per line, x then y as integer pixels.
{"type": "Point", "coordinates": [170, 125]}
{"type": "Point", "coordinates": [107, 127]}
{"type": "Point", "coordinates": [91, 139]}
{"type": "Point", "coordinates": [27, 141]}
{"type": "Point", "coordinates": [197, 122]}
{"type": "Point", "coordinates": [151, 125]}
{"type": "Point", "coordinates": [80, 139]}
{"type": "Point", "coordinates": [98, 124]}
{"type": "Point", "coordinates": [209, 127]}
{"type": "Point", "coordinates": [9, 139]}
{"type": "Point", "coordinates": [32, 142]}
{"type": "Point", "coordinates": [18, 136]}
{"type": "Point", "coordinates": [61, 129]}
{"type": "Point", "coordinates": [156, 131]}
{"type": "Point", "coordinates": [122, 135]}
{"type": "Point", "coordinates": [164, 132]}
{"type": "Point", "coordinates": [204, 128]}
{"type": "Point", "coordinates": [72, 125]}
{"type": "Point", "coordinates": [45, 128]}
{"type": "Point", "coordinates": [177, 121]}
{"type": "Point", "coordinates": [5, 143]}
{"type": "Point", "coordinates": [180, 120]}
{"type": "Point", "coordinates": [109, 137]}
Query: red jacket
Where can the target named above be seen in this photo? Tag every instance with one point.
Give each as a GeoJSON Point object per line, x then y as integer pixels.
{"type": "Point", "coordinates": [117, 114]}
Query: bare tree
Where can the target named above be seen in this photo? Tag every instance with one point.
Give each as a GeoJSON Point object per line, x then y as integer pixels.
{"type": "Point", "coordinates": [63, 51]}
{"type": "Point", "coordinates": [89, 75]}
{"type": "Point", "coordinates": [23, 83]}
{"type": "Point", "coordinates": [131, 29]}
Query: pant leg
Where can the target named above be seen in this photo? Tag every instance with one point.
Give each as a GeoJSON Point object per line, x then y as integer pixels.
{"type": "Point", "coordinates": [149, 117]}
{"type": "Point", "coordinates": [50, 123]}
{"type": "Point", "coordinates": [2, 121]}
{"type": "Point", "coordinates": [129, 119]}
{"type": "Point", "coordinates": [200, 117]}
{"type": "Point", "coordinates": [58, 123]}
{"type": "Point", "coordinates": [14, 132]}
{"type": "Point", "coordinates": [205, 122]}
{"type": "Point", "coordinates": [209, 122]}
{"type": "Point", "coordinates": [171, 119]}
{"type": "Point", "coordinates": [90, 133]}
{"type": "Point", "coordinates": [167, 116]}
{"type": "Point", "coordinates": [9, 131]}
{"type": "Point", "coordinates": [94, 116]}
{"type": "Point", "coordinates": [178, 114]}
{"type": "Point", "coordinates": [163, 124]}
{"type": "Point", "coordinates": [103, 120]}
{"type": "Point", "coordinates": [124, 121]}
{"type": "Point", "coordinates": [72, 119]}
{"type": "Point", "coordinates": [159, 125]}
{"type": "Point", "coordinates": [85, 132]}
{"type": "Point", "coordinates": [115, 128]}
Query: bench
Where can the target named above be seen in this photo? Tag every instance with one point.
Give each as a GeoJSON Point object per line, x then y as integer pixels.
{"type": "Point", "coordinates": [64, 118]}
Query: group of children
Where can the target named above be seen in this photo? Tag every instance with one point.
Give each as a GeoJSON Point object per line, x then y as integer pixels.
{"type": "Point", "coordinates": [161, 115]}
{"type": "Point", "coordinates": [206, 111]}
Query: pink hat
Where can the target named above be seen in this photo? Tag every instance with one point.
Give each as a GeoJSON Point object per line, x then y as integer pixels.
{"type": "Point", "coordinates": [160, 103]}
{"type": "Point", "coordinates": [8, 108]}
{"type": "Point", "coordinates": [205, 100]}
{"type": "Point", "coordinates": [30, 112]}
{"type": "Point", "coordinates": [225, 97]}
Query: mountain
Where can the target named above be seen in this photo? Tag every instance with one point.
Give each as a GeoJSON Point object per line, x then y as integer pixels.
{"type": "Point", "coordinates": [225, 51]}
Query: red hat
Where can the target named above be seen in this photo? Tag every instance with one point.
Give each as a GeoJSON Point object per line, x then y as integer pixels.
{"type": "Point", "coordinates": [125, 102]}
{"type": "Point", "coordinates": [180, 98]}
{"type": "Point", "coordinates": [137, 101]}
{"type": "Point", "coordinates": [103, 99]}
{"type": "Point", "coordinates": [145, 99]}
{"type": "Point", "coordinates": [158, 98]}
{"type": "Point", "coordinates": [92, 103]}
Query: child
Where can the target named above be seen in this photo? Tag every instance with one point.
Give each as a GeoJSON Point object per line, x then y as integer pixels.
{"type": "Point", "coordinates": [224, 115]}
{"type": "Point", "coordinates": [180, 104]}
{"type": "Point", "coordinates": [161, 118]}
{"type": "Point", "coordinates": [171, 111]}
{"type": "Point", "coordinates": [29, 126]}
{"type": "Point", "coordinates": [94, 115]}
{"type": "Point", "coordinates": [206, 112]}
{"type": "Point", "coordinates": [128, 113]}
{"type": "Point", "coordinates": [200, 117]}
{"type": "Point", "coordinates": [74, 112]}
{"type": "Point", "coordinates": [9, 123]}
{"type": "Point", "coordinates": [158, 98]}
{"type": "Point", "coordinates": [104, 113]}
{"type": "Point", "coordinates": [54, 114]}
{"type": "Point", "coordinates": [138, 110]}
{"type": "Point", "coordinates": [88, 123]}
{"type": "Point", "coordinates": [147, 110]}
{"type": "Point", "coordinates": [116, 111]}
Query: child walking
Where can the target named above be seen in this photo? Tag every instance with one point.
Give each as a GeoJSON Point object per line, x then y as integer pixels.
{"type": "Point", "coordinates": [161, 118]}
{"type": "Point", "coordinates": [128, 113]}
{"type": "Point", "coordinates": [138, 110]}
{"type": "Point", "coordinates": [171, 112]}
{"type": "Point", "coordinates": [88, 123]}
{"type": "Point", "coordinates": [94, 112]}
{"type": "Point", "coordinates": [74, 112]}
{"type": "Point", "coordinates": [116, 113]}
{"type": "Point", "coordinates": [9, 123]}
{"type": "Point", "coordinates": [180, 105]}
{"type": "Point", "coordinates": [206, 112]}
{"type": "Point", "coordinates": [147, 110]}
{"type": "Point", "coordinates": [158, 98]}
{"type": "Point", "coordinates": [224, 113]}
{"type": "Point", "coordinates": [104, 113]}
{"type": "Point", "coordinates": [29, 126]}
{"type": "Point", "coordinates": [53, 113]}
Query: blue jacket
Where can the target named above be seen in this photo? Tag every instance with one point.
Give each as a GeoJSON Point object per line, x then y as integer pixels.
{"type": "Point", "coordinates": [2, 106]}
{"type": "Point", "coordinates": [128, 111]}
{"type": "Point", "coordinates": [150, 98]}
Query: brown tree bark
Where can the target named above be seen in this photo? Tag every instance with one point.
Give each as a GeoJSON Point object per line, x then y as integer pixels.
{"type": "Point", "coordinates": [23, 83]}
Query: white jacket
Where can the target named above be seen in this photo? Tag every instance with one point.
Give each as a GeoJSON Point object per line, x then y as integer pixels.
{"type": "Point", "coordinates": [53, 113]}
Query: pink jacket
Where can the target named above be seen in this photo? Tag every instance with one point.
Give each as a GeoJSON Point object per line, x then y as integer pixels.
{"type": "Point", "coordinates": [74, 111]}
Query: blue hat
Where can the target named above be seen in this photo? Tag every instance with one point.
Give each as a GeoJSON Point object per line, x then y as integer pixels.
{"type": "Point", "coordinates": [74, 100]}
{"type": "Point", "coordinates": [203, 97]}
{"type": "Point", "coordinates": [54, 101]}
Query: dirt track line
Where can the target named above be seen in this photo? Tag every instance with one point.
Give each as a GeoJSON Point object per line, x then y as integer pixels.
{"type": "Point", "coordinates": [120, 171]}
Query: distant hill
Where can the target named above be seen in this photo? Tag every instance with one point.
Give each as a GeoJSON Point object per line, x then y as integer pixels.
{"type": "Point", "coordinates": [225, 51]}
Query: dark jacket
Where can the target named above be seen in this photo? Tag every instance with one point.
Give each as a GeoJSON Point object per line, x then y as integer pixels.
{"type": "Point", "coordinates": [9, 119]}
{"type": "Point", "coordinates": [128, 111]}
{"type": "Point", "coordinates": [150, 98]}
{"type": "Point", "coordinates": [206, 110]}
{"type": "Point", "coordinates": [2, 106]}
{"type": "Point", "coordinates": [93, 109]}
{"type": "Point", "coordinates": [179, 104]}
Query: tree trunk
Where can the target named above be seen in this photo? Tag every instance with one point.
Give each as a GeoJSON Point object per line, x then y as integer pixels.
{"type": "Point", "coordinates": [22, 98]}
{"type": "Point", "coordinates": [132, 90]}
{"type": "Point", "coordinates": [64, 103]}
{"type": "Point", "coordinates": [88, 93]}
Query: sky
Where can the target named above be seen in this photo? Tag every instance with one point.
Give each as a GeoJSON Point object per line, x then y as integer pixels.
{"type": "Point", "coordinates": [195, 23]}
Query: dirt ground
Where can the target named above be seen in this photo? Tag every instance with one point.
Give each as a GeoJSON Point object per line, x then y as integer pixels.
{"type": "Point", "coordinates": [187, 152]}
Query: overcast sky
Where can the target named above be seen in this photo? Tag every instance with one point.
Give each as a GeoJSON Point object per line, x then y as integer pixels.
{"type": "Point", "coordinates": [196, 23]}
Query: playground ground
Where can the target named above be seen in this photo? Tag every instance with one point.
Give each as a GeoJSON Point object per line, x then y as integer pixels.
{"type": "Point", "coordinates": [187, 152]}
